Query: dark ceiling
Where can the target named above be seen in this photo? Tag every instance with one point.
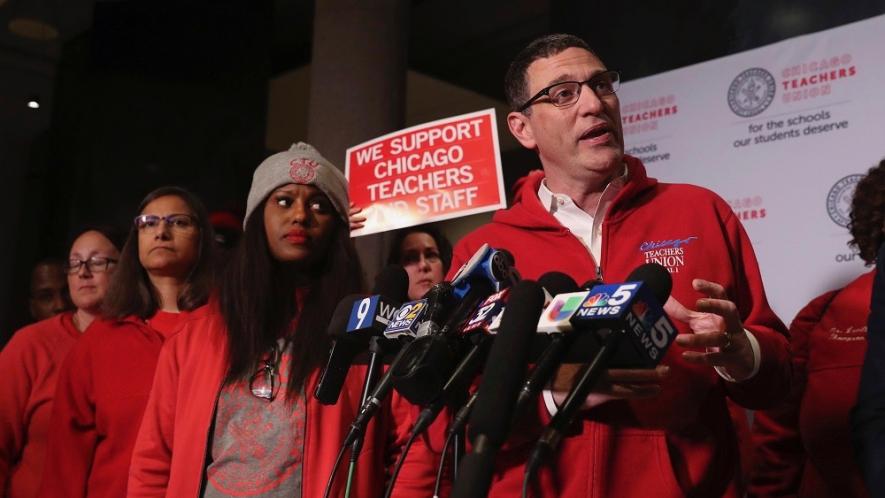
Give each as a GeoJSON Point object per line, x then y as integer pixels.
{"type": "Point", "coordinates": [467, 43]}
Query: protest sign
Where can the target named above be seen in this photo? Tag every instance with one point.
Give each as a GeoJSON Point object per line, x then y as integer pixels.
{"type": "Point", "coordinates": [435, 171]}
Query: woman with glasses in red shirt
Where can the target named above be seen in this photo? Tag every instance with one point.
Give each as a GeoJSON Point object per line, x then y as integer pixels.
{"type": "Point", "coordinates": [163, 276]}
{"type": "Point", "coordinates": [30, 362]}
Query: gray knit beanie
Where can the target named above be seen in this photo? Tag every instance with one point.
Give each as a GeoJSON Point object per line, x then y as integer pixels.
{"type": "Point", "coordinates": [301, 164]}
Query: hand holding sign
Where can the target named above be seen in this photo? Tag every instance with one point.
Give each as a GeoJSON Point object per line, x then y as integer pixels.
{"type": "Point", "coordinates": [354, 214]}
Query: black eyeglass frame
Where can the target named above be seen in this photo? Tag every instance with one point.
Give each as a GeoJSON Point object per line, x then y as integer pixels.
{"type": "Point", "coordinates": [168, 219]}
{"type": "Point", "coordinates": [613, 76]}
{"type": "Point", "coordinates": [95, 264]}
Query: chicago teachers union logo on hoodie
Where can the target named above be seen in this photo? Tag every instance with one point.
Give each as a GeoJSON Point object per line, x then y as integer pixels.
{"type": "Point", "coordinates": [669, 253]}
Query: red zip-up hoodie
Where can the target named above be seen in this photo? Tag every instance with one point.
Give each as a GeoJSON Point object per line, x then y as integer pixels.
{"type": "Point", "coordinates": [803, 447]}
{"type": "Point", "coordinates": [102, 390]}
{"type": "Point", "coordinates": [170, 453]}
{"type": "Point", "coordinates": [29, 367]}
{"type": "Point", "coordinates": [682, 442]}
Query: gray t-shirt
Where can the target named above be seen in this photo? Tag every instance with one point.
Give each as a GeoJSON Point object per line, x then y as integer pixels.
{"type": "Point", "coordinates": [257, 445]}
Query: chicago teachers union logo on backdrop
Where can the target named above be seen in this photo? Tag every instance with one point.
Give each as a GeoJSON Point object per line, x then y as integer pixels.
{"type": "Point", "coordinates": [751, 92]}
{"type": "Point", "coordinates": [839, 199]}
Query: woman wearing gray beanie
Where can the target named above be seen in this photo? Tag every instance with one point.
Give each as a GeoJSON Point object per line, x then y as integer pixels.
{"type": "Point", "coordinates": [231, 411]}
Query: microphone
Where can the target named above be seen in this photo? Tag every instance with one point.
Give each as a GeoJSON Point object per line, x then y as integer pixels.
{"type": "Point", "coordinates": [405, 325]}
{"type": "Point", "coordinates": [494, 265]}
{"type": "Point", "coordinates": [355, 320]}
{"type": "Point", "coordinates": [421, 317]}
{"type": "Point", "coordinates": [612, 311]}
{"type": "Point", "coordinates": [488, 270]}
{"type": "Point", "coordinates": [440, 300]}
{"type": "Point", "coordinates": [487, 317]}
{"type": "Point", "coordinates": [422, 366]}
{"type": "Point", "coordinates": [341, 354]}
{"type": "Point", "coordinates": [406, 319]}
{"type": "Point", "coordinates": [633, 309]}
{"type": "Point", "coordinates": [556, 282]}
{"type": "Point", "coordinates": [423, 373]}
{"type": "Point", "coordinates": [505, 369]}
{"type": "Point", "coordinates": [478, 331]}
{"type": "Point", "coordinates": [426, 362]}
{"type": "Point", "coordinates": [589, 284]}
{"type": "Point", "coordinates": [553, 354]}
{"type": "Point", "coordinates": [492, 308]}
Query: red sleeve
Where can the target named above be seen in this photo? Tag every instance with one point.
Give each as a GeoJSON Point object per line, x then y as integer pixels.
{"type": "Point", "coordinates": [779, 456]}
{"type": "Point", "coordinates": [418, 473]}
{"type": "Point", "coordinates": [72, 435]}
{"type": "Point", "coordinates": [17, 371]}
{"type": "Point", "coordinates": [152, 456]}
{"type": "Point", "coordinates": [772, 382]}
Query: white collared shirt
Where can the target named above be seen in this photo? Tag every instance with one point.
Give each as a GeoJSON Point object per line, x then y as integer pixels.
{"type": "Point", "coordinates": [588, 229]}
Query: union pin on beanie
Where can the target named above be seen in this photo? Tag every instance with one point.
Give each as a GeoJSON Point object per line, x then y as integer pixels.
{"type": "Point", "coordinates": [301, 164]}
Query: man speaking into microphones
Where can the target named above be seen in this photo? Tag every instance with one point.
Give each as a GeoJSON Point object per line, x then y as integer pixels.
{"type": "Point", "coordinates": [594, 214]}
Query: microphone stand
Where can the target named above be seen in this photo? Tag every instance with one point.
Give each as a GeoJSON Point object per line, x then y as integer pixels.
{"type": "Point", "coordinates": [453, 394]}
{"type": "Point", "coordinates": [588, 376]}
{"type": "Point", "coordinates": [372, 372]}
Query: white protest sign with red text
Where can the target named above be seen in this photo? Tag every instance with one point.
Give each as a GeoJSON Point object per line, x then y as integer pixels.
{"type": "Point", "coordinates": [435, 171]}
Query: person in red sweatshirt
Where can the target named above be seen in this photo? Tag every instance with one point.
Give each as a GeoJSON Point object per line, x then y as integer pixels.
{"type": "Point", "coordinates": [49, 293]}
{"type": "Point", "coordinates": [232, 411]}
{"type": "Point", "coordinates": [664, 432]}
{"type": "Point", "coordinates": [163, 275]}
{"type": "Point", "coordinates": [803, 446]}
{"type": "Point", "coordinates": [29, 364]}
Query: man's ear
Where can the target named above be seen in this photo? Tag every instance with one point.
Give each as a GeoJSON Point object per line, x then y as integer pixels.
{"type": "Point", "coordinates": [521, 129]}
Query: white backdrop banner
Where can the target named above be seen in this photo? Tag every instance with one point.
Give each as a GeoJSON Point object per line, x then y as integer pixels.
{"type": "Point", "coordinates": [783, 133]}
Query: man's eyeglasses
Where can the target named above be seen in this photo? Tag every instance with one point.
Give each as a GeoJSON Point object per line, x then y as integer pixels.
{"type": "Point", "coordinates": [265, 383]}
{"type": "Point", "coordinates": [566, 93]}
{"type": "Point", "coordinates": [178, 222]}
{"type": "Point", "coordinates": [94, 264]}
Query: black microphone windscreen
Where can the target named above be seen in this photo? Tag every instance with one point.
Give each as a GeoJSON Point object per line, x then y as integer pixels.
{"type": "Point", "coordinates": [556, 282]}
{"type": "Point", "coordinates": [474, 475]}
{"type": "Point", "coordinates": [507, 362]}
{"type": "Point", "coordinates": [507, 257]}
{"type": "Point", "coordinates": [338, 322]}
{"type": "Point", "coordinates": [393, 283]}
{"type": "Point", "coordinates": [656, 277]}
{"type": "Point", "coordinates": [593, 282]}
